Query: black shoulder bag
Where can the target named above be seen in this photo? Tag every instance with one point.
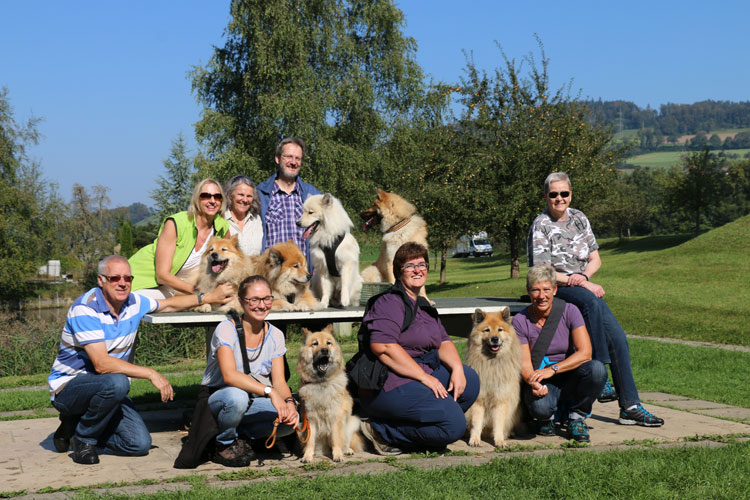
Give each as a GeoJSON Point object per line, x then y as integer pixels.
{"type": "Point", "coordinates": [548, 331]}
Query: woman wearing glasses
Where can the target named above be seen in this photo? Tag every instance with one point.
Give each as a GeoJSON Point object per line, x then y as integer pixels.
{"type": "Point", "coordinates": [562, 236]}
{"type": "Point", "coordinates": [165, 265]}
{"type": "Point", "coordinates": [248, 403]}
{"type": "Point", "coordinates": [243, 214]}
{"type": "Point", "coordinates": [422, 403]}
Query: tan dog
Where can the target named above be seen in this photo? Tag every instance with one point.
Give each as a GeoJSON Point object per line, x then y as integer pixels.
{"type": "Point", "coordinates": [326, 401]}
{"type": "Point", "coordinates": [495, 354]}
{"type": "Point", "coordinates": [399, 223]}
{"type": "Point", "coordinates": [222, 262]}
{"type": "Point", "coordinates": [327, 228]}
{"type": "Point", "coordinates": [285, 267]}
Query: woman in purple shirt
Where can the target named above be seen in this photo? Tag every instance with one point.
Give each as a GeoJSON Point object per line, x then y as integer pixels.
{"type": "Point", "coordinates": [422, 403]}
{"type": "Point", "coordinates": [567, 371]}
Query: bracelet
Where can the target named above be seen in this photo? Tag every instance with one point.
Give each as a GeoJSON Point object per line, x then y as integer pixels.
{"type": "Point", "coordinates": [585, 276]}
{"type": "Point", "coordinates": [200, 298]}
{"type": "Point", "coordinates": [291, 400]}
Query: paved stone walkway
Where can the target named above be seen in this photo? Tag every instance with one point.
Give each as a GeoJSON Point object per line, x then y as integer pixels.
{"type": "Point", "coordinates": [29, 462]}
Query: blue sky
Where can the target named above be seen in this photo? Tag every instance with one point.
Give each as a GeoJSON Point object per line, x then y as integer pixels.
{"type": "Point", "coordinates": [110, 79]}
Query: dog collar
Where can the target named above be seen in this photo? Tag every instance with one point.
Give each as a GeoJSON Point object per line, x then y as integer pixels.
{"type": "Point", "coordinates": [398, 225]}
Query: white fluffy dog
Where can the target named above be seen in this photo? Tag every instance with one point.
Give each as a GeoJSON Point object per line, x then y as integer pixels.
{"type": "Point", "coordinates": [334, 251]}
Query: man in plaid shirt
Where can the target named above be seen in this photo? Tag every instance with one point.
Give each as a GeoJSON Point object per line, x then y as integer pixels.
{"type": "Point", "coordinates": [282, 195]}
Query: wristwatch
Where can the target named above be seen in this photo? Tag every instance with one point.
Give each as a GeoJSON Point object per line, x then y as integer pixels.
{"type": "Point", "coordinates": [555, 368]}
{"type": "Point", "coordinates": [267, 390]}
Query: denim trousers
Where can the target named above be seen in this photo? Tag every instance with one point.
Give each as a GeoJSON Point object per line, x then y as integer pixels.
{"type": "Point", "coordinates": [234, 410]}
{"type": "Point", "coordinates": [608, 340]}
{"type": "Point", "coordinates": [579, 388]}
{"type": "Point", "coordinates": [411, 417]}
{"type": "Point", "coordinates": [107, 415]}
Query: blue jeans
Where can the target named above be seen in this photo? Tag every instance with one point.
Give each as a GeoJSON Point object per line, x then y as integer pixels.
{"type": "Point", "coordinates": [580, 387]}
{"type": "Point", "coordinates": [235, 410]}
{"type": "Point", "coordinates": [608, 340]}
{"type": "Point", "coordinates": [107, 415]}
{"type": "Point", "coordinates": [411, 417]}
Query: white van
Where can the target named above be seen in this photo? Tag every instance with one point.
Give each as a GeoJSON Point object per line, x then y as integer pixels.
{"type": "Point", "coordinates": [475, 245]}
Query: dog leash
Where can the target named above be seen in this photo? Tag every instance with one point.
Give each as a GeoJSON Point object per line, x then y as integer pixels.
{"type": "Point", "coordinates": [300, 431]}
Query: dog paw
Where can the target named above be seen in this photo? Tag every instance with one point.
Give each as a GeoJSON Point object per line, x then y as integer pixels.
{"type": "Point", "coordinates": [338, 457]}
{"type": "Point", "coordinates": [349, 452]}
{"type": "Point", "coordinates": [307, 459]}
{"type": "Point", "coordinates": [475, 441]}
{"type": "Point", "coordinates": [203, 308]}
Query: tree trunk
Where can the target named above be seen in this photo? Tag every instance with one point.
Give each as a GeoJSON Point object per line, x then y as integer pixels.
{"type": "Point", "coordinates": [443, 265]}
{"type": "Point", "coordinates": [515, 267]}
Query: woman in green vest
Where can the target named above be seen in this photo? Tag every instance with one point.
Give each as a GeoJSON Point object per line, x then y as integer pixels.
{"type": "Point", "coordinates": [168, 264]}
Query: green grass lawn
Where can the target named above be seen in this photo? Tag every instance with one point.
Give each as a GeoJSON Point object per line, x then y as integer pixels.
{"type": "Point", "coordinates": [667, 159]}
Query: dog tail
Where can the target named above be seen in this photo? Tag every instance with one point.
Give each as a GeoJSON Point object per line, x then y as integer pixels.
{"type": "Point", "coordinates": [356, 441]}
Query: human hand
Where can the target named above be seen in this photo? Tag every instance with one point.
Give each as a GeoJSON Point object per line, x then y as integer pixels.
{"type": "Point", "coordinates": [539, 390]}
{"type": "Point", "coordinates": [287, 411]}
{"type": "Point", "coordinates": [597, 290]}
{"type": "Point", "coordinates": [457, 383]}
{"type": "Point", "coordinates": [222, 294]}
{"type": "Point", "coordinates": [540, 375]}
{"type": "Point", "coordinates": [165, 388]}
{"type": "Point", "coordinates": [436, 386]}
{"type": "Point", "coordinates": [576, 279]}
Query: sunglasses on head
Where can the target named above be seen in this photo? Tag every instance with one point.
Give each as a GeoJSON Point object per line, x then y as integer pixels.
{"type": "Point", "coordinates": [115, 278]}
{"type": "Point", "coordinates": [208, 196]}
{"type": "Point", "coordinates": [552, 195]}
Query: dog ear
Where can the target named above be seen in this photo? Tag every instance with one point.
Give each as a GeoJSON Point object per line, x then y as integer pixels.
{"type": "Point", "coordinates": [478, 316]}
{"type": "Point", "coordinates": [380, 193]}
{"type": "Point", "coordinates": [235, 239]}
{"type": "Point", "coordinates": [506, 314]}
{"type": "Point", "coordinates": [327, 199]}
{"type": "Point", "coordinates": [329, 328]}
{"type": "Point", "coordinates": [305, 332]}
{"type": "Point", "coordinates": [275, 258]}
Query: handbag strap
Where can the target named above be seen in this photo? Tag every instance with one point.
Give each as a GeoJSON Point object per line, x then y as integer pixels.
{"type": "Point", "coordinates": [548, 331]}
{"type": "Point", "coordinates": [241, 337]}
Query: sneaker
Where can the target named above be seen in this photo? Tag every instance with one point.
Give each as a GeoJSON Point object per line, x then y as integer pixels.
{"type": "Point", "coordinates": [640, 416]}
{"type": "Point", "coordinates": [235, 454]}
{"type": "Point", "coordinates": [545, 427]}
{"type": "Point", "coordinates": [65, 432]}
{"type": "Point", "coordinates": [578, 430]}
{"type": "Point", "coordinates": [381, 447]}
{"type": "Point", "coordinates": [608, 394]}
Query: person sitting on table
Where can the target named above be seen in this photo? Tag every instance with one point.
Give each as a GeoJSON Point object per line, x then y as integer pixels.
{"type": "Point", "coordinates": [428, 389]}
{"type": "Point", "coordinates": [243, 214]}
{"type": "Point", "coordinates": [90, 376]}
{"type": "Point", "coordinates": [242, 402]}
{"type": "Point", "coordinates": [167, 264]}
{"type": "Point", "coordinates": [567, 373]}
{"type": "Point", "coordinates": [562, 236]}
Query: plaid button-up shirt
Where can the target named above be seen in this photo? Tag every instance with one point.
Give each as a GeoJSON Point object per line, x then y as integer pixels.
{"type": "Point", "coordinates": [283, 211]}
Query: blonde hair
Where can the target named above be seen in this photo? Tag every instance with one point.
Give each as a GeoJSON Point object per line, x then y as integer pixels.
{"type": "Point", "coordinates": [195, 207]}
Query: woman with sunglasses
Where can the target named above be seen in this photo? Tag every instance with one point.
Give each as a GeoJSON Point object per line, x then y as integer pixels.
{"type": "Point", "coordinates": [562, 236]}
{"type": "Point", "coordinates": [422, 403]}
{"type": "Point", "coordinates": [243, 214]}
{"type": "Point", "coordinates": [162, 267]}
{"type": "Point", "coordinates": [248, 402]}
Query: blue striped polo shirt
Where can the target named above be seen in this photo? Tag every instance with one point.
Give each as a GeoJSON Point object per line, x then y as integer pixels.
{"type": "Point", "coordinates": [90, 320]}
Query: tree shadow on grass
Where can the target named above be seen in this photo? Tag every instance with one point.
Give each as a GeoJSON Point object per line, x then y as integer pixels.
{"type": "Point", "coordinates": [647, 244]}
{"type": "Point", "coordinates": [445, 287]}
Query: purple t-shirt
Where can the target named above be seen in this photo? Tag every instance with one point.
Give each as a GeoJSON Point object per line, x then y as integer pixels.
{"type": "Point", "coordinates": [425, 333]}
{"type": "Point", "coordinates": [528, 332]}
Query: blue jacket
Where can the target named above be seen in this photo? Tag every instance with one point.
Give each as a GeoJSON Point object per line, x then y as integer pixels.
{"type": "Point", "coordinates": [264, 193]}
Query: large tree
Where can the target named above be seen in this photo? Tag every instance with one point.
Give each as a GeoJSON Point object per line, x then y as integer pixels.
{"type": "Point", "coordinates": [175, 187]}
{"type": "Point", "coordinates": [338, 73]}
{"type": "Point", "coordinates": [519, 131]}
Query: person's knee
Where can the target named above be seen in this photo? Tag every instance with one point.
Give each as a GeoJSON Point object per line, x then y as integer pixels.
{"type": "Point", "coordinates": [138, 445]}
{"type": "Point", "coordinates": [116, 385]}
{"type": "Point", "coordinates": [471, 391]}
{"type": "Point", "coordinates": [454, 426]}
{"type": "Point", "coordinates": [598, 371]}
{"type": "Point", "coordinates": [540, 408]}
{"type": "Point", "coordinates": [235, 400]}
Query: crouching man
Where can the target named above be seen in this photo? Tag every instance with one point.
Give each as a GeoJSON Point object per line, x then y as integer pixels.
{"type": "Point", "coordinates": [89, 382]}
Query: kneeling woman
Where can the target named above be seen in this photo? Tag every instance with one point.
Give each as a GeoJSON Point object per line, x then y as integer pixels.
{"type": "Point", "coordinates": [567, 372]}
{"type": "Point", "coordinates": [248, 402]}
{"type": "Point", "coordinates": [428, 389]}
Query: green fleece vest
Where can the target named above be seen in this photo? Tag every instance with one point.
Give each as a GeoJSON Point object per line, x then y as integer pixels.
{"type": "Point", "coordinates": [143, 262]}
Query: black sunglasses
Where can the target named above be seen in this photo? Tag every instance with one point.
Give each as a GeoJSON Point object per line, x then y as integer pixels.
{"type": "Point", "coordinates": [208, 196]}
{"type": "Point", "coordinates": [552, 195]}
{"type": "Point", "coordinates": [115, 278]}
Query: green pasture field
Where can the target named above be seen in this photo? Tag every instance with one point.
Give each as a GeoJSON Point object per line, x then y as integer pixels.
{"type": "Point", "coordinates": [668, 159]}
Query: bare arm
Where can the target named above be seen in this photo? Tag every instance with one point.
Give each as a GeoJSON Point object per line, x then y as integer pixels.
{"type": "Point", "coordinates": [104, 363]}
{"type": "Point", "coordinates": [219, 295]}
{"type": "Point", "coordinates": [582, 344]}
{"type": "Point", "coordinates": [398, 360]}
{"type": "Point", "coordinates": [166, 245]}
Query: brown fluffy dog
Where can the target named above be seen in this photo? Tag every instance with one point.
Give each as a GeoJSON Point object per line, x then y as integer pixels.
{"type": "Point", "coordinates": [399, 223]}
{"type": "Point", "coordinates": [285, 267]}
{"type": "Point", "coordinates": [222, 262]}
{"type": "Point", "coordinates": [326, 401]}
{"type": "Point", "coordinates": [495, 353]}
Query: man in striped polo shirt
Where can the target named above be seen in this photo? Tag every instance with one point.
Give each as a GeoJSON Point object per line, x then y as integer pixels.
{"type": "Point", "coordinates": [281, 198]}
{"type": "Point", "coordinates": [90, 377]}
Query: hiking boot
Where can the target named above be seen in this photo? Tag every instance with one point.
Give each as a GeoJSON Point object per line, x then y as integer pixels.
{"type": "Point", "coordinates": [65, 432]}
{"type": "Point", "coordinates": [545, 427]}
{"type": "Point", "coordinates": [578, 430]}
{"type": "Point", "coordinates": [235, 454]}
{"type": "Point", "coordinates": [640, 416]}
{"type": "Point", "coordinates": [84, 453]}
{"type": "Point", "coordinates": [608, 394]}
{"type": "Point", "coordinates": [381, 447]}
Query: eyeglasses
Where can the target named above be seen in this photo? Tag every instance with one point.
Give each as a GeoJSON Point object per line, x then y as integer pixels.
{"type": "Point", "coordinates": [553, 194]}
{"type": "Point", "coordinates": [292, 157]}
{"type": "Point", "coordinates": [254, 301]}
{"type": "Point", "coordinates": [208, 196]}
{"type": "Point", "coordinates": [115, 278]}
{"type": "Point", "coordinates": [411, 267]}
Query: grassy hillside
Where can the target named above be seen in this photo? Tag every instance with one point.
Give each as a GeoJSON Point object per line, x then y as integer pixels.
{"type": "Point", "coordinates": [669, 158]}
{"type": "Point", "coordinates": [674, 286]}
